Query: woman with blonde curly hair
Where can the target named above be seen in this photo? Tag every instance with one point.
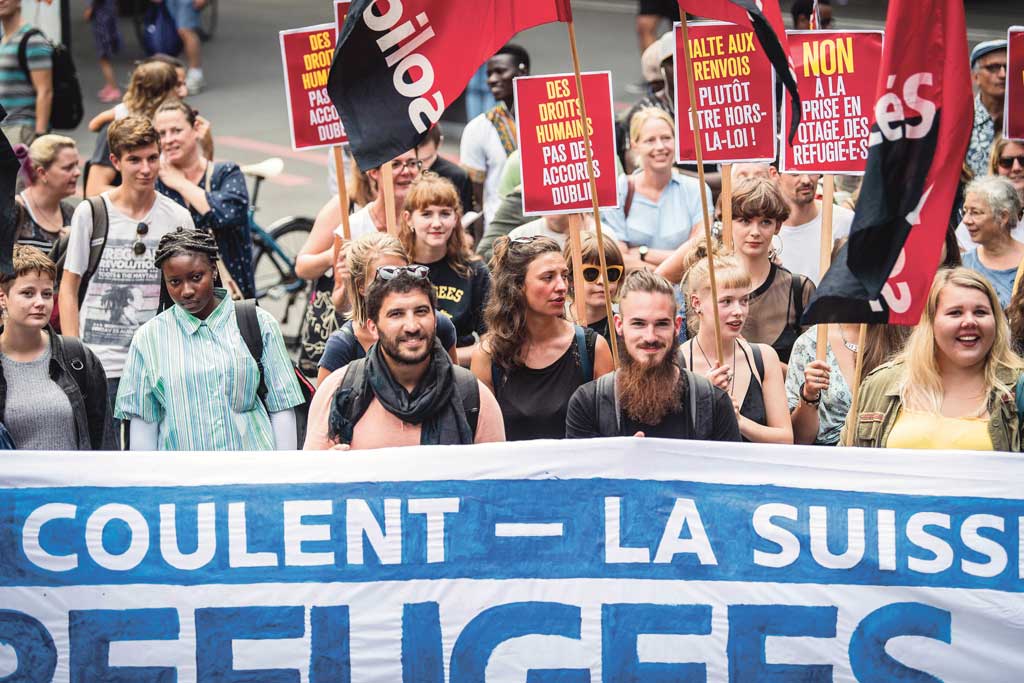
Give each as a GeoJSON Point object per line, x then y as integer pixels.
{"type": "Point", "coordinates": [431, 232]}
{"type": "Point", "coordinates": [532, 358]}
{"type": "Point", "coordinates": [953, 387]}
{"type": "Point", "coordinates": [362, 257]}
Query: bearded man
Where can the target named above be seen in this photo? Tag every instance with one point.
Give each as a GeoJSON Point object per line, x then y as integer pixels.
{"type": "Point", "coordinates": [651, 395]}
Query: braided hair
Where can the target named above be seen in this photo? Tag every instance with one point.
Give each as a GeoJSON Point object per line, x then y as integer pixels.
{"type": "Point", "coordinates": [184, 242]}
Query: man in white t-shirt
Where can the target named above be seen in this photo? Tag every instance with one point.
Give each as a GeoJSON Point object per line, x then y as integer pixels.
{"type": "Point", "coordinates": [801, 233]}
{"type": "Point", "coordinates": [107, 306]}
{"type": "Point", "coordinates": [490, 137]}
{"type": "Point", "coordinates": [405, 169]}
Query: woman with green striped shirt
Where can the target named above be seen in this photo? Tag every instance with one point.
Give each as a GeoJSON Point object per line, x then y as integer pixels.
{"type": "Point", "coordinates": [190, 382]}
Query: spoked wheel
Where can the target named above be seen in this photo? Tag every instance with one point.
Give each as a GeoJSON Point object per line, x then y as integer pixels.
{"type": "Point", "coordinates": [207, 20]}
{"type": "Point", "coordinates": [279, 290]}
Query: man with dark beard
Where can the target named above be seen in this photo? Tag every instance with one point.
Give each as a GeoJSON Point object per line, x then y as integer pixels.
{"type": "Point", "coordinates": [650, 395]}
{"type": "Point", "coordinates": [406, 391]}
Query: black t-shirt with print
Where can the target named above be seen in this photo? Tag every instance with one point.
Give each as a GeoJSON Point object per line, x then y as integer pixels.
{"type": "Point", "coordinates": [462, 298]}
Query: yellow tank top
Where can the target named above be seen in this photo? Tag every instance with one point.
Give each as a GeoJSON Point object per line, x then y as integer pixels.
{"type": "Point", "coordinates": [927, 430]}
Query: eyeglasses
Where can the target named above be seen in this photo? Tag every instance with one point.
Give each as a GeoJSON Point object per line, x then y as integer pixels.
{"type": "Point", "coordinates": [1006, 163]}
{"type": "Point", "coordinates": [141, 230]}
{"type": "Point", "coordinates": [411, 165]}
{"type": "Point", "coordinates": [391, 272]}
{"type": "Point", "coordinates": [591, 273]}
{"type": "Point", "coordinates": [994, 68]}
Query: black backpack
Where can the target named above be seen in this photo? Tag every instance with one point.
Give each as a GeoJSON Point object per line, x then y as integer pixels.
{"type": "Point", "coordinates": [97, 243]}
{"type": "Point", "coordinates": [67, 111]}
{"type": "Point", "coordinates": [249, 327]}
{"type": "Point", "coordinates": [699, 392]}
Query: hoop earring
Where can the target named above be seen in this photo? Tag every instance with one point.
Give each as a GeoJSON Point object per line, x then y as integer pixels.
{"type": "Point", "coordinates": [775, 251]}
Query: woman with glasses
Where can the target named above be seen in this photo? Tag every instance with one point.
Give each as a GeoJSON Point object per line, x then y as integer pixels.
{"type": "Point", "coordinates": [432, 234]}
{"type": "Point", "coordinates": [532, 358]}
{"type": "Point", "coordinates": [363, 259]}
{"type": "Point", "coordinates": [991, 211]}
{"type": "Point", "coordinates": [597, 312]}
{"type": "Point", "coordinates": [1006, 161]}
{"type": "Point", "coordinates": [190, 382]}
{"type": "Point", "coordinates": [214, 193]}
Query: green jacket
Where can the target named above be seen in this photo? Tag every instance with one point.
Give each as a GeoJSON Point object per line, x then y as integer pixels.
{"type": "Point", "coordinates": [879, 407]}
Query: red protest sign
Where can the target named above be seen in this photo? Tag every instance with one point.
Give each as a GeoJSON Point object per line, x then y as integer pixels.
{"type": "Point", "coordinates": [306, 55]}
{"type": "Point", "coordinates": [552, 153]}
{"type": "Point", "coordinates": [1013, 117]}
{"type": "Point", "coordinates": [837, 72]}
{"type": "Point", "coordinates": [340, 12]}
{"type": "Point", "coordinates": [735, 88]}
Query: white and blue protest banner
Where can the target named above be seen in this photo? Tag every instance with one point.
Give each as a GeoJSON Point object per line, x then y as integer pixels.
{"type": "Point", "coordinates": [545, 562]}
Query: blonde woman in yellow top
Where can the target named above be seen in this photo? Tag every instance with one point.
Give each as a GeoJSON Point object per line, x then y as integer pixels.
{"type": "Point", "coordinates": [953, 387]}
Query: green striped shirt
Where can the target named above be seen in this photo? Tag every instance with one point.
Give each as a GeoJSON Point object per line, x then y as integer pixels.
{"type": "Point", "coordinates": [197, 379]}
{"type": "Point", "coordinates": [17, 94]}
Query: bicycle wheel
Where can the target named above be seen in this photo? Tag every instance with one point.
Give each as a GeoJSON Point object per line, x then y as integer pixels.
{"type": "Point", "coordinates": [207, 20]}
{"type": "Point", "coordinates": [279, 290]}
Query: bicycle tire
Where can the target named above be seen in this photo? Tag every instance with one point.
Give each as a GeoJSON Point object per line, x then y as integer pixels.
{"type": "Point", "coordinates": [278, 289]}
{"type": "Point", "coordinates": [207, 21]}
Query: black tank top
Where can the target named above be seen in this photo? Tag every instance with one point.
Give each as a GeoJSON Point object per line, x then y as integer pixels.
{"type": "Point", "coordinates": [753, 407]}
{"type": "Point", "coordinates": [534, 401]}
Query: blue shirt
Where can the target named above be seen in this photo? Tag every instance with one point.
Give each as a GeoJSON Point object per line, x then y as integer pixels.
{"type": "Point", "coordinates": [664, 224]}
{"type": "Point", "coordinates": [1001, 280]}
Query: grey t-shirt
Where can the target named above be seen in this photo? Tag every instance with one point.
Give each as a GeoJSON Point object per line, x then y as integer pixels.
{"type": "Point", "coordinates": [38, 412]}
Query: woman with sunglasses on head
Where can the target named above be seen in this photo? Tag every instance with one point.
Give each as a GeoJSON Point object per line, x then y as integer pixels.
{"type": "Point", "coordinates": [597, 312]}
{"type": "Point", "coordinates": [190, 382]}
{"type": "Point", "coordinates": [532, 358]}
{"type": "Point", "coordinates": [953, 386]}
{"type": "Point", "coordinates": [362, 259]}
{"type": "Point", "coordinates": [431, 232]}
{"type": "Point", "coordinates": [749, 372]}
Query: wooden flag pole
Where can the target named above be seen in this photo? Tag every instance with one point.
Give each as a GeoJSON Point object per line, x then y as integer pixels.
{"type": "Point", "coordinates": [579, 297]}
{"type": "Point", "coordinates": [858, 368]}
{"type": "Point", "coordinates": [825, 254]}
{"type": "Point", "coordinates": [613, 342]}
{"type": "Point", "coordinates": [346, 231]}
{"type": "Point", "coordinates": [727, 206]}
{"type": "Point", "coordinates": [695, 124]}
{"type": "Point", "coordinates": [387, 181]}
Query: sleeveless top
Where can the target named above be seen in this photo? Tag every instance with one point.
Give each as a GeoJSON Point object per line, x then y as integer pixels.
{"type": "Point", "coordinates": [753, 407]}
{"type": "Point", "coordinates": [29, 232]}
{"type": "Point", "coordinates": [534, 401]}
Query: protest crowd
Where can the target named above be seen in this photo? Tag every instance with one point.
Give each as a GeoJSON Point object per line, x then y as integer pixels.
{"type": "Point", "coordinates": [458, 316]}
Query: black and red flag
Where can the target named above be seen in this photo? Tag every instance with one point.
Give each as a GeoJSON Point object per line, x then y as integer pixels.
{"type": "Point", "coordinates": [921, 125]}
{"type": "Point", "coordinates": [399, 64]}
{"type": "Point", "coordinates": [765, 18]}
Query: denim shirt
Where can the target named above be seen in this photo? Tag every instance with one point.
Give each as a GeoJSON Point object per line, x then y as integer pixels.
{"type": "Point", "coordinates": [664, 224]}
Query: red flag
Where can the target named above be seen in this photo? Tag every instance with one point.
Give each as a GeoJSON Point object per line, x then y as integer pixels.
{"type": "Point", "coordinates": [399, 64]}
{"type": "Point", "coordinates": [765, 18]}
{"type": "Point", "coordinates": [921, 126]}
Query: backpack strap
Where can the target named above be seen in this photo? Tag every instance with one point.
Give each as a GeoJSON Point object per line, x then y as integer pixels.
{"type": "Point", "coordinates": [249, 326]}
{"type": "Point", "coordinates": [74, 351]}
{"type": "Point", "coordinates": [630, 191]}
{"type": "Point", "coordinates": [1019, 394]}
{"type": "Point", "coordinates": [23, 52]}
{"type": "Point", "coordinates": [97, 241]}
{"type": "Point", "coordinates": [586, 363]}
{"type": "Point", "coordinates": [797, 290]}
{"type": "Point", "coordinates": [608, 397]}
{"type": "Point", "coordinates": [469, 392]}
{"type": "Point", "coordinates": [701, 405]}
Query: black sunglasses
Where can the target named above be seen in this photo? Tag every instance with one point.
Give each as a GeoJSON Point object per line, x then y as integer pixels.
{"type": "Point", "coordinates": [1006, 163]}
{"type": "Point", "coordinates": [141, 230]}
{"type": "Point", "coordinates": [591, 273]}
{"type": "Point", "coordinates": [391, 272]}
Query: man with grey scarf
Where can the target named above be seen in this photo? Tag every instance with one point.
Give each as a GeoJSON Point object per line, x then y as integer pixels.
{"type": "Point", "coordinates": [406, 391]}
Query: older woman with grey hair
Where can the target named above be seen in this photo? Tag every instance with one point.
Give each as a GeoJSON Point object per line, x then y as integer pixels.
{"type": "Point", "coordinates": [991, 211]}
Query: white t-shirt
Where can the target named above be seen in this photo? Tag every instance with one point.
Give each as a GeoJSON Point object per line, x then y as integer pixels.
{"type": "Point", "coordinates": [124, 292]}
{"type": "Point", "coordinates": [481, 150]}
{"type": "Point", "coordinates": [360, 223]}
{"type": "Point", "coordinates": [963, 237]}
{"type": "Point", "coordinates": [801, 244]}
{"type": "Point", "coordinates": [539, 227]}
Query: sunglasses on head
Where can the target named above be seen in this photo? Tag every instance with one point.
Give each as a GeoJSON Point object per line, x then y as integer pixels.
{"type": "Point", "coordinates": [391, 272]}
{"type": "Point", "coordinates": [1006, 163]}
{"type": "Point", "coordinates": [592, 273]}
{"type": "Point", "coordinates": [141, 230]}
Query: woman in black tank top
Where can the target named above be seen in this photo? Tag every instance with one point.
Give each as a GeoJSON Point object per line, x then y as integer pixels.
{"type": "Point", "coordinates": [532, 358]}
{"type": "Point", "coordinates": [750, 373]}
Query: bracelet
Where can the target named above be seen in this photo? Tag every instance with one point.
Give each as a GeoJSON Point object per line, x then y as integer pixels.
{"type": "Point", "coordinates": [803, 398]}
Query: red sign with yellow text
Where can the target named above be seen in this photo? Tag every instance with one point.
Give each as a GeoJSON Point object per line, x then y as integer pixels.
{"type": "Point", "coordinates": [1013, 117]}
{"type": "Point", "coordinates": [734, 84]}
{"type": "Point", "coordinates": [837, 73]}
{"type": "Point", "coordinates": [551, 148]}
{"type": "Point", "coordinates": [306, 55]}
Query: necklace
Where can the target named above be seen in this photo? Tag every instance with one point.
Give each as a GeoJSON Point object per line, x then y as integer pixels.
{"type": "Point", "coordinates": [732, 375]}
{"type": "Point", "coordinates": [849, 345]}
{"type": "Point", "coordinates": [45, 222]}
